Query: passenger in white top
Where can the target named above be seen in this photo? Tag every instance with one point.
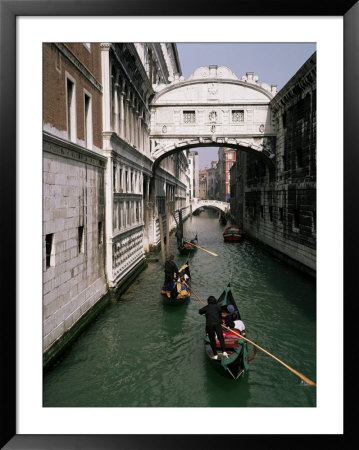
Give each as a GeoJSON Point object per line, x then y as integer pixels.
{"type": "Point", "coordinates": [239, 325]}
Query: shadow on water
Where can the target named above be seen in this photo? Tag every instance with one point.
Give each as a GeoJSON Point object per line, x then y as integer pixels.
{"type": "Point", "coordinates": [173, 317]}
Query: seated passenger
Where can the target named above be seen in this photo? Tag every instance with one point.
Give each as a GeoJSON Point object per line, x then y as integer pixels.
{"type": "Point", "coordinates": [236, 323]}
{"type": "Point", "coordinates": [228, 318]}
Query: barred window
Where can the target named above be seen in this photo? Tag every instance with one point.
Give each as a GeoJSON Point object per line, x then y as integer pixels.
{"type": "Point", "coordinates": [100, 235]}
{"type": "Point", "coordinates": [49, 240]}
{"type": "Point", "coordinates": [80, 241]}
{"type": "Point", "coordinates": [189, 116]}
{"type": "Point", "coordinates": [238, 115]}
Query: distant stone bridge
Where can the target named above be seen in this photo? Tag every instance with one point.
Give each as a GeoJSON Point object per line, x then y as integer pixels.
{"type": "Point", "coordinates": [223, 206]}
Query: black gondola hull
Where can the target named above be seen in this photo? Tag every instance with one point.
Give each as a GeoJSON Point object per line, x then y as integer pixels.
{"type": "Point", "coordinates": [235, 369]}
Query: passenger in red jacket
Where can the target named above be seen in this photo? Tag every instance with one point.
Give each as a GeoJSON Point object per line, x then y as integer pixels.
{"type": "Point", "coordinates": [212, 311]}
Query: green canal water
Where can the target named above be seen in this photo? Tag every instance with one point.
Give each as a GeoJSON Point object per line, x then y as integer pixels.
{"type": "Point", "coordinates": [140, 352]}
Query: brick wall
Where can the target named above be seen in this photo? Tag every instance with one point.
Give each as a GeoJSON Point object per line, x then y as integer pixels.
{"type": "Point", "coordinates": [57, 60]}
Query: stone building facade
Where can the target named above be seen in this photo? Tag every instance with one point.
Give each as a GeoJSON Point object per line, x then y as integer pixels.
{"type": "Point", "coordinates": [74, 166]}
{"type": "Point", "coordinates": [193, 169]}
{"type": "Point", "coordinates": [203, 184]}
{"type": "Point", "coordinates": [102, 196]}
{"type": "Point", "coordinates": [127, 88]}
{"type": "Point", "coordinates": [279, 200]}
{"type": "Point", "coordinates": [212, 182]}
{"type": "Point", "coordinates": [226, 160]}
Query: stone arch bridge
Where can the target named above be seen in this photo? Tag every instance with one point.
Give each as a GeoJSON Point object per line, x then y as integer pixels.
{"type": "Point", "coordinates": [213, 108]}
{"type": "Point", "coordinates": [217, 204]}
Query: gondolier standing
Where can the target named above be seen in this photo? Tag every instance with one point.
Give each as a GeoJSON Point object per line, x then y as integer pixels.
{"type": "Point", "coordinates": [170, 270]}
{"type": "Point", "coordinates": [179, 236]}
{"type": "Point", "coordinates": [212, 311]}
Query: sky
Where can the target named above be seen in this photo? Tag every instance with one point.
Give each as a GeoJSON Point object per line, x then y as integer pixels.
{"type": "Point", "coordinates": [274, 63]}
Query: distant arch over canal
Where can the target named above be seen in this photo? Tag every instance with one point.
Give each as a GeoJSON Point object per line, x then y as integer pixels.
{"type": "Point", "coordinates": [216, 204]}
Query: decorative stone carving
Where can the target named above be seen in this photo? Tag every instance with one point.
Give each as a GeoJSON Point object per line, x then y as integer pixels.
{"type": "Point", "coordinates": [213, 128]}
{"type": "Point", "coordinates": [268, 146]}
{"type": "Point", "coordinates": [261, 128]}
{"type": "Point", "coordinates": [212, 90]}
{"type": "Point", "coordinates": [225, 72]}
{"type": "Point", "coordinates": [164, 129]}
{"type": "Point", "coordinates": [204, 72]}
{"type": "Point", "coordinates": [212, 116]}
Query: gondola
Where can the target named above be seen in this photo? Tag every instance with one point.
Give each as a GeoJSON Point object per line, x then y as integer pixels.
{"type": "Point", "coordinates": [188, 247]}
{"type": "Point", "coordinates": [232, 233]}
{"type": "Point", "coordinates": [180, 293]}
{"type": "Point", "coordinates": [237, 362]}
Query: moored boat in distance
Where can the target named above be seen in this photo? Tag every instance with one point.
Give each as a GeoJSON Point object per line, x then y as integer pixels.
{"type": "Point", "coordinates": [180, 291]}
{"type": "Point", "coordinates": [232, 233]}
{"type": "Point", "coordinates": [236, 348]}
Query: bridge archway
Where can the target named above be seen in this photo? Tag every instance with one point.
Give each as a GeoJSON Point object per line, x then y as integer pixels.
{"type": "Point", "coordinates": [265, 152]}
{"type": "Point", "coordinates": [215, 204]}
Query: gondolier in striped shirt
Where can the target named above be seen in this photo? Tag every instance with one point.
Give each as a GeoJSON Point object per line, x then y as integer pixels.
{"type": "Point", "coordinates": [212, 311]}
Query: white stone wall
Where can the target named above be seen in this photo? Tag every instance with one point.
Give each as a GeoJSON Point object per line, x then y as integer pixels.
{"type": "Point", "coordinates": [72, 196]}
{"type": "Point", "coordinates": [211, 106]}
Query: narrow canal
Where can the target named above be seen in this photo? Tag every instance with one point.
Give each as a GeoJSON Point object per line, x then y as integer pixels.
{"type": "Point", "coordinates": [142, 353]}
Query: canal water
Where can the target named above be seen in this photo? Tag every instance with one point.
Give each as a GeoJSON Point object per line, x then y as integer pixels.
{"type": "Point", "coordinates": [140, 352]}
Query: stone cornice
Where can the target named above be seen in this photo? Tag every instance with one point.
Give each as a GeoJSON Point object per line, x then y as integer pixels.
{"type": "Point", "coordinates": [78, 64]}
{"type": "Point", "coordinates": [210, 138]}
{"type": "Point", "coordinates": [161, 173]}
{"type": "Point", "coordinates": [67, 149]}
{"type": "Point", "coordinates": [186, 105]}
{"type": "Point", "coordinates": [141, 162]}
{"type": "Point", "coordinates": [128, 196]}
{"type": "Point", "coordinates": [175, 86]}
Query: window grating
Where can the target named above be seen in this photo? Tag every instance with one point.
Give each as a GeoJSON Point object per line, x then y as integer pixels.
{"type": "Point", "coordinates": [238, 115]}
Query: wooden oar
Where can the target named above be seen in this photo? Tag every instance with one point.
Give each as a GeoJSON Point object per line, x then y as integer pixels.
{"type": "Point", "coordinates": [191, 243]}
{"type": "Point", "coordinates": [304, 378]}
{"type": "Point", "coordinates": [190, 289]}
{"type": "Point", "coordinates": [307, 380]}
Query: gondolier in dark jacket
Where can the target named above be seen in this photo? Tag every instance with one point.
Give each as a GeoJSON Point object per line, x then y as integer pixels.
{"type": "Point", "coordinates": [179, 236]}
{"type": "Point", "coordinates": [212, 311]}
{"type": "Point", "coordinates": [170, 270]}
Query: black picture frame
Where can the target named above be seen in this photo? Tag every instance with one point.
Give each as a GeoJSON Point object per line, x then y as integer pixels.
{"type": "Point", "coordinates": [9, 10]}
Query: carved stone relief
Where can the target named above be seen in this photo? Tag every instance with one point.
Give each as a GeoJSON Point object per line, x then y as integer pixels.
{"type": "Point", "coordinates": [212, 90]}
{"type": "Point", "coordinates": [212, 116]}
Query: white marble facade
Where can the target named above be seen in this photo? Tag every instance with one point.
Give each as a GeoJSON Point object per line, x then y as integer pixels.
{"type": "Point", "coordinates": [129, 72]}
{"type": "Point", "coordinates": [211, 106]}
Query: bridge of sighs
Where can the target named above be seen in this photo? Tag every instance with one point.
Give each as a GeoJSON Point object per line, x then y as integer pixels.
{"type": "Point", "coordinates": [213, 108]}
